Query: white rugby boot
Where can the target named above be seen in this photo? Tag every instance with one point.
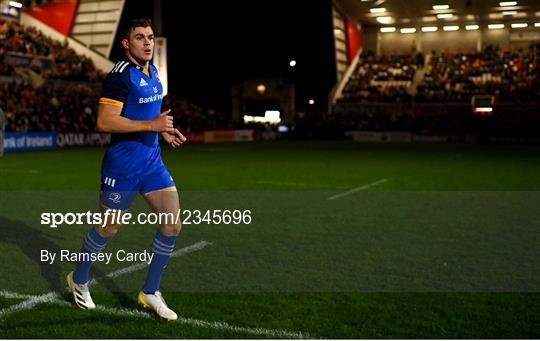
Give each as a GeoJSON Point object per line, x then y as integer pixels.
{"type": "Point", "coordinates": [157, 304]}
{"type": "Point", "coordinates": [81, 293]}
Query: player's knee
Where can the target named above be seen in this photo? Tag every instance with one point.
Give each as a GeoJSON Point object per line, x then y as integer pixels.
{"type": "Point", "coordinates": [109, 231]}
{"type": "Point", "coordinates": [171, 229]}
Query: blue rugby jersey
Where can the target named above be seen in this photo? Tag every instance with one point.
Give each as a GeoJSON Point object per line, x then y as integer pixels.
{"type": "Point", "coordinates": [140, 96]}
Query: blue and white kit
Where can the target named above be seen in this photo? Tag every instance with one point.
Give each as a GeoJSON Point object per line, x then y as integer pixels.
{"type": "Point", "coordinates": [132, 163]}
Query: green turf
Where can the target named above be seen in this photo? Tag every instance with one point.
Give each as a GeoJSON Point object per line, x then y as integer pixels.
{"type": "Point", "coordinates": [328, 164]}
{"type": "Point", "coordinates": [376, 264]}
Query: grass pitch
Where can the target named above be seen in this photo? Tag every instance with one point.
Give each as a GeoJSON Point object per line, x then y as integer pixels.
{"type": "Point", "coordinates": [445, 247]}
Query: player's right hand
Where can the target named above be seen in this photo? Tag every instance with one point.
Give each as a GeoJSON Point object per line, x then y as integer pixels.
{"type": "Point", "coordinates": [163, 123]}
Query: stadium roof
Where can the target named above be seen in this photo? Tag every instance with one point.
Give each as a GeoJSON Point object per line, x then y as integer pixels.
{"type": "Point", "coordinates": [420, 12]}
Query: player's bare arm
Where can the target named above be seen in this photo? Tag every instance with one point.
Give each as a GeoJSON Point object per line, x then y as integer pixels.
{"type": "Point", "coordinates": [110, 121]}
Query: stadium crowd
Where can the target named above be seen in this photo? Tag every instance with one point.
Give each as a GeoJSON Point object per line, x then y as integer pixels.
{"type": "Point", "coordinates": [72, 107]}
{"type": "Point", "coordinates": [380, 78]}
{"type": "Point", "coordinates": [65, 100]}
{"type": "Point", "coordinates": [510, 75]}
{"type": "Point", "coordinates": [64, 97]}
{"type": "Point", "coordinates": [193, 117]}
{"type": "Point", "coordinates": [446, 120]}
{"type": "Point", "coordinates": [30, 42]}
{"type": "Point", "coordinates": [58, 106]}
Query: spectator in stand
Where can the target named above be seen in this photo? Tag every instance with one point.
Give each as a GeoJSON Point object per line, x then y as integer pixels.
{"type": "Point", "coordinates": [380, 79]}
{"type": "Point", "coordinates": [420, 60]}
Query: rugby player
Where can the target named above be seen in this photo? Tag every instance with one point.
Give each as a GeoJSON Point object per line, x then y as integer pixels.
{"type": "Point", "coordinates": [129, 108]}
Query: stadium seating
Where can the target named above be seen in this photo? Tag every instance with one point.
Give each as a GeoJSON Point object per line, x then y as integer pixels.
{"type": "Point", "coordinates": [510, 75]}
{"type": "Point", "coordinates": [380, 79]}
{"type": "Point", "coordinates": [69, 87]}
{"type": "Point", "coordinates": [28, 41]}
{"type": "Point", "coordinates": [398, 93]}
{"type": "Point", "coordinates": [387, 92]}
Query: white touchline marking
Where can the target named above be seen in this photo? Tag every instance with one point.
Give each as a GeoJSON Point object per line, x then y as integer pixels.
{"type": "Point", "coordinates": [357, 189]}
{"type": "Point", "coordinates": [206, 324]}
{"type": "Point", "coordinates": [53, 297]}
{"type": "Point", "coordinates": [29, 303]}
{"type": "Point", "coordinates": [135, 267]}
{"type": "Point", "coordinates": [34, 300]}
{"type": "Point", "coordinates": [297, 184]}
{"type": "Point", "coordinates": [14, 295]}
{"type": "Point", "coordinates": [275, 333]}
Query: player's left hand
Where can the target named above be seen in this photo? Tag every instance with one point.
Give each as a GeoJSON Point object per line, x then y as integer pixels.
{"type": "Point", "coordinates": [175, 138]}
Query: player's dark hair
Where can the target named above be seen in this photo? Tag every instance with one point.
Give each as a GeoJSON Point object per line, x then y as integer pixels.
{"type": "Point", "coordinates": [133, 23]}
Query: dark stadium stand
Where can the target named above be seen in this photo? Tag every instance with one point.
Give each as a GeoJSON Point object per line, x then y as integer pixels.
{"type": "Point", "coordinates": [380, 79]}
{"type": "Point", "coordinates": [397, 93]}
{"type": "Point", "coordinates": [448, 77]}
{"type": "Point", "coordinates": [47, 86]}
{"type": "Point", "coordinates": [21, 41]}
{"type": "Point", "coordinates": [508, 75]}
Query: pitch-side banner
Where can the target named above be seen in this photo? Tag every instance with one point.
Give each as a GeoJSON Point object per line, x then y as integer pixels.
{"type": "Point", "coordinates": [64, 140]}
{"type": "Point", "coordinates": [2, 127]}
{"type": "Point", "coordinates": [29, 141]}
{"type": "Point", "coordinates": [377, 136]}
{"type": "Point", "coordinates": [215, 136]}
{"type": "Point", "coordinates": [160, 61]}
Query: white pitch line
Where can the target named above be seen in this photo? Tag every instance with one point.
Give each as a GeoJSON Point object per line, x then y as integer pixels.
{"type": "Point", "coordinates": [123, 312]}
{"type": "Point", "coordinates": [135, 267]}
{"type": "Point", "coordinates": [357, 189]}
{"type": "Point", "coordinates": [34, 300]}
{"type": "Point", "coordinates": [53, 298]}
{"type": "Point", "coordinates": [274, 333]}
{"type": "Point", "coordinates": [14, 295]}
{"type": "Point", "coordinates": [29, 303]}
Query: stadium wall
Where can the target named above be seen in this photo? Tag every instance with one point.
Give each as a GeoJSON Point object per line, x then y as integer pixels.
{"type": "Point", "coordinates": [407, 137]}
{"type": "Point", "coordinates": [355, 39]}
{"type": "Point", "coordinates": [467, 41]}
{"type": "Point", "coordinates": [218, 136]}
{"type": "Point", "coordinates": [58, 15]}
{"type": "Point", "coordinates": [495, 37]}
{"type": "Point", "coordinates": [370, 39]}
{"type": "Point", "coordinates": [398, 43]}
